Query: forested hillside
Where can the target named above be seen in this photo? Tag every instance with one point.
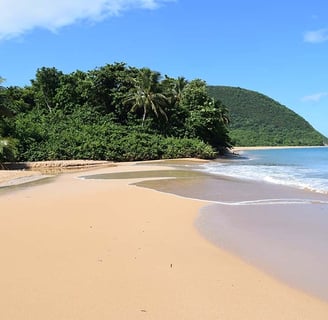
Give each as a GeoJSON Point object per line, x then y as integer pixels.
{"type": "Point", "coordinates": [115, 112]}
{"type": "Point", "coordinates": [257, 120]}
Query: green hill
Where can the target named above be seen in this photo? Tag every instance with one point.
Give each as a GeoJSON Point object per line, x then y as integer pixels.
{"type": "Point", "coordinates": [257, 120]}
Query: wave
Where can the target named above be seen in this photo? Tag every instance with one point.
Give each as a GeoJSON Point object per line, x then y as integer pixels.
{"type": "Point", "coordinates": [293, 176]}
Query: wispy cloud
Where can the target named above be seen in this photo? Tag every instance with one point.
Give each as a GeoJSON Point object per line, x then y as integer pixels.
{"type": "Point", "coordinates": [20, 16]}
{"type": "Point", "coordinates": [316, 36]}
{"type": "Point", "coordinates": [316, 97]}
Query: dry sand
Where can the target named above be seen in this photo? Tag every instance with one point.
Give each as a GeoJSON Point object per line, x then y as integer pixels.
{"type": "Point", "coordinates": [104, 249]}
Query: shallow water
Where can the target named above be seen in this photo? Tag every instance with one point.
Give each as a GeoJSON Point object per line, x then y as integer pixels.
{"type": "Point", "coordinates": [146, 174]}
{"type": "Point", "coordinates": [303, 168]}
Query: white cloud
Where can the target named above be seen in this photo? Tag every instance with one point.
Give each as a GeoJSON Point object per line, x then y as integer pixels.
{"type": "Point", "coordinates": [316, 36]}
{"type": "Point", "coordinates": [316, 97]}
{"type": "Point", "coordinates": [20, 16]}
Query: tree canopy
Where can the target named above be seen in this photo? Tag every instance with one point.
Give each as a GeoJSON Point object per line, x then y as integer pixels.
{"type": "Point", "coordinates": [114, 112]}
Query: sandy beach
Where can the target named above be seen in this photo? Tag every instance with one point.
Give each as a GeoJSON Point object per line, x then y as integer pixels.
{"type": "Point", "coordinates": [105, 249]}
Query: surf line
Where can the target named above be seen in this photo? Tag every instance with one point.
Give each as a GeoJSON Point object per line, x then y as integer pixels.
{"type": "Point", "coordinates": [270, 202]}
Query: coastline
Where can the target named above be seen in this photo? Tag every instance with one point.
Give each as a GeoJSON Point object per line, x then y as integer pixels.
{"type": "Point", "coordinates": [237, 149]}
{"type": "Point", "coordinates": [77, 249]}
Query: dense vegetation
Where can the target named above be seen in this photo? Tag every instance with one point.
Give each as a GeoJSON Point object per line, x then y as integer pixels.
{"type": "Point", "coordinates": [8, 148]}
{"type": "Point", "coordinates": [114, 112]}
{"type": "Point", "coordinates": [122, 113]}
{"type": "Point", "coordinates": [258, 120]}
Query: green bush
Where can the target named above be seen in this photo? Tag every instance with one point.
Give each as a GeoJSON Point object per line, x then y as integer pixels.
{"type": "Point", "coordinates": [187, 148]}
{"type": "Point", "coordinates": [77, 136]}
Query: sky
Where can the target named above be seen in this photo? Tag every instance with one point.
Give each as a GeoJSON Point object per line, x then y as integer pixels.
{"type": "Point", "coordinates": [275, 47]}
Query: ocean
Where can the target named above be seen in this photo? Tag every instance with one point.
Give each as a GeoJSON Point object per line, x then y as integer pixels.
{"type": "Point", "coordinates": [304, 168]}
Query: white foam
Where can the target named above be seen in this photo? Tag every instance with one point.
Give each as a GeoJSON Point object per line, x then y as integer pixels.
{"type": "Point", "coordinates": [302, 178]}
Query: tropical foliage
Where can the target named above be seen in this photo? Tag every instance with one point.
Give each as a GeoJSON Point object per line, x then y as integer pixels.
{"type": "Point", "coordinates": [257, 120]}
{"type": "Point", "coordinates": [8, 150]}
{"type": "Point", "coordinates": [114, 112]}
{"type": "Point", "coordinates": [146, 94]}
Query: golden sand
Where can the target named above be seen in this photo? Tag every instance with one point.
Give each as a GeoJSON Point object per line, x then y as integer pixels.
{"type": "Point", "coordinates": [104, 249]}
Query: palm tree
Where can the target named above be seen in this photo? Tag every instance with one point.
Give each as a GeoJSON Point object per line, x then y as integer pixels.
{"type": "Point", "coordinates": [179, 85]}
{"type": "Point", "coordinates": [223, 112]}
{"type": "Point", "coordinates": [174, 88]}
{"type": "Point", "coordinates": [146, 96]}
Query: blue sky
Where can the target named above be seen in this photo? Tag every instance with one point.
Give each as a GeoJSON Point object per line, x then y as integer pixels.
{"type": "Point", "coordinates": [276, 47]}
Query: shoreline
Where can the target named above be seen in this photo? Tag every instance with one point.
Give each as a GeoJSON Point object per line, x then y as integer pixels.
{"type": "Point", "coordinates": [237, 149]}
{"type": "Point", "coordinates": [76, 249]}
{"type": "Point", "coordinates": [267, 212]}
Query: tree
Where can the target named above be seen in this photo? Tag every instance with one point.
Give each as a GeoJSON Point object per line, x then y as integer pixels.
{"type": "Point", "coordinates": [146, 95]}
{"type": "Point", "coordinates": [208, 118]}
{"type": "Point", "coordinates": [176, 112]}
{"type": "Point", "coordinates": [46, 83]}
{"type": "Point", "coordinates": [8, 149]}
{"type": "Point", "coordinates": [110, 87]}
{"type": "Point", "coordinates": [4, 111]}
{"type": "Point", "coordinates": [174, 88]}
{"type": "Point", "coordinates": [73, 91]}
{"type": "Point", "coordinates": [194, 94]}
{"type": "Point", "coordinates": [222, 111]}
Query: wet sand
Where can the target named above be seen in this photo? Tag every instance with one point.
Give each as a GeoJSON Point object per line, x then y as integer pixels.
{"type": "Point", "coordinates": [13, 177]}
{"type": "Point", "coordinates": [285, 238]}
{"type": "Point", "coordinates": [105, 249]}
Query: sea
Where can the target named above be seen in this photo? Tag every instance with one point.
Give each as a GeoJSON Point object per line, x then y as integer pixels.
{"type": "Point", "coordinates": [304, 168]}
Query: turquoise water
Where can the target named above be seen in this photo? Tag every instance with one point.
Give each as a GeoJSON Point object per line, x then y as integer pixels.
{"type": "Point", "coordinates": [305, 168]}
